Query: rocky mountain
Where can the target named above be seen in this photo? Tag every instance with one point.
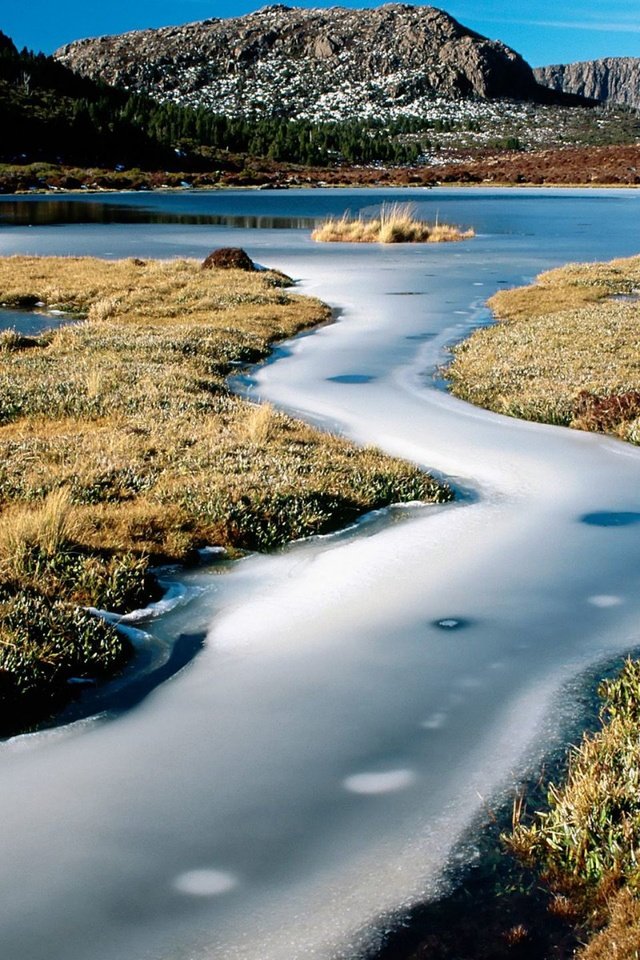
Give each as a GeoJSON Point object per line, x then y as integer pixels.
{"type": "Point", "coordinates": [613, 79]}
{"type": "Point", "coordinates": [311, 64]}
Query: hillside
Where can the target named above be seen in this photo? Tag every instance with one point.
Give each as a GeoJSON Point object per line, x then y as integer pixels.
{"type": "Point", "coordinates": [48, 112]}
{"type": "Point", "coordinates": [333, 64]}
{"type": "Point", "coordinates": [612, 79]}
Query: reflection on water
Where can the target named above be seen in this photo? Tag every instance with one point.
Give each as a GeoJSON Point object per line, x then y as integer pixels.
{"type": "Point", "coordinates": [48, 212]}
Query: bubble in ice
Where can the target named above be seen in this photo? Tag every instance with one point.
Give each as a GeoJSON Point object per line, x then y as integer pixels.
{"type": "Point", "coordinates": [352, 378]}
{"type": "Point", "coordinates": [435, 721]}
{"type": "Point", "coordinates": [451, 623]}
{"type": "Point", "coordinates": [372, 783]}
{"type": "Point", "coordinates": [605, 600]}
{"type": "Point", "coordinates": [204, 882]}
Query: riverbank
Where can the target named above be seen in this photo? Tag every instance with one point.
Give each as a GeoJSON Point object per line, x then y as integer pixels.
{"type": "Point", "coordinates": [565, 351]}
{"type": "Point", "coordinates": [122, 448]}
{"type": "Point", "coordinates": [584, 843]}
{"type": "Point", "coordinates": [560, 882]}
{"type": "Point", "coordinates": [612, 166]}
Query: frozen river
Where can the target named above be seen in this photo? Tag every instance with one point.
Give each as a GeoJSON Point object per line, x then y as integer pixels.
{"type": "Point", "coordinates": [309, 772]}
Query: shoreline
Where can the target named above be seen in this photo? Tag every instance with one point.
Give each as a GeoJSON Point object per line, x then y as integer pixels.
{"type": "Point", "coordinates": [599, 167]}
{"type": "Point", "coordinates": [148, 386]}
{"type": "Point", "coordinates": [493, 907]}
{"type": "Point", "coordinates": [542, 360]}
{"type": "Point", "coordinates": [378, 185]}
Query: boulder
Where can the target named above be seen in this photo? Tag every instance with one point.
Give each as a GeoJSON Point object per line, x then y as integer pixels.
{"type": "Point", "coordinates": [228, 258]}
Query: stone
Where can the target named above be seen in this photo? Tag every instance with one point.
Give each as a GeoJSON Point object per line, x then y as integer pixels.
{"type": "Point", "coordinates": [229, 258]}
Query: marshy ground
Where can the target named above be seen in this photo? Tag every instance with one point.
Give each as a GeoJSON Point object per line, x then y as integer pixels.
{"type": "Point", "coordinates": [123, 447]}
{"type": "Point", "coordinates": [585, 843]}
{"type": "Point", "coordinates": [566, 351]}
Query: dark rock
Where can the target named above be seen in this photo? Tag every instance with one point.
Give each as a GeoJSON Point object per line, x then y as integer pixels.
{"type": "Point", "coordinates": [611, 80]}
{"type": "Point", "coordinates": [228, 258]}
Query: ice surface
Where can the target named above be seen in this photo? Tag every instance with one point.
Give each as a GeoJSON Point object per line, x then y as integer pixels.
{"type": "Point", "coordinates": [310, 771]}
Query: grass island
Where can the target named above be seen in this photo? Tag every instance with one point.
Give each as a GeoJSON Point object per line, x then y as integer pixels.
{"type": "Point", "coordinates": [566, 350]}
{"type": "Point", "coordinates": [396, 223]}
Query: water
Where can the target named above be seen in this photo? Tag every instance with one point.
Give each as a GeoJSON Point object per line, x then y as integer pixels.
{"type": "Point", "coordinates": [308, 773]}
{"type": "Point", "coordinates": [28, 323]}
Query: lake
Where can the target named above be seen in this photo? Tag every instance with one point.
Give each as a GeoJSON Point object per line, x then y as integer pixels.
{"type": "Point", "coordinates": [355, 699]}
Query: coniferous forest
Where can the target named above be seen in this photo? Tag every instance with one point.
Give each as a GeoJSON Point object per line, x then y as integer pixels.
{"type": "Point", "coordinates": [49, 113]}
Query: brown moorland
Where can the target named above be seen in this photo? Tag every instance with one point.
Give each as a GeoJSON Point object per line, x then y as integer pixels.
{"type": "Point", "coordinates": [617, 165]}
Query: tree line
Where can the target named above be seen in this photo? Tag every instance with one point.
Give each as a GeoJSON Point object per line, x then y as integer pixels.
{"type": "Point", "coordinates": [48, 112]}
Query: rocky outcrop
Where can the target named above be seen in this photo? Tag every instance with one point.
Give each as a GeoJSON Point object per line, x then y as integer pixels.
{"type": "Point", "coordinates": [613, 80]}
{"type": "Point", "coordinates": [318, 64]}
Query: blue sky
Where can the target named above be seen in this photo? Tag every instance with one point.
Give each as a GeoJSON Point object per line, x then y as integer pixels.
{"type": "Point", "coordinates": [543, 31]}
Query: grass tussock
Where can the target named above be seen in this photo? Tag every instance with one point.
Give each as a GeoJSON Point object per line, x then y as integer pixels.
{"type": "Point", "coordinates": [397, 223]}
{"type": "Point", "coordinates": [566, 351]}
{"type": "Point", "coordinates": [586, 845]}
{"type": "Point", "coordinates": [121, 446]}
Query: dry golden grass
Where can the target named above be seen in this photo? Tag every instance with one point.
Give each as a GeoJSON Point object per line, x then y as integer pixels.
{"type": "Point", "coordinates": [46, 528]}
{"type": "Point", "coordinates": [129, 412]}
{"type": "Point", "coordinates": [586, 845]}
{"type": "Point", "coordinates": [397, 223]}
{"type": "Point", "coordinates": [121, 445]}
{"type": "Point", "coordinates": [567, 350]}
{"type": "Point", "coordinates": [261, 424]}
{"type": "Point", "coordinates": [620, 939]}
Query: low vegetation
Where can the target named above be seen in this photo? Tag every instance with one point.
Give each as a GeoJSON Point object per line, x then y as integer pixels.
{"type": "Point", "coordinates": [566, 351]}
{"type": "Point", "coordinates": [396, 223]}
{"type": "Point", "coordinates": [121, 447]}
{"type": "Point", "coordinates": [586, 845]}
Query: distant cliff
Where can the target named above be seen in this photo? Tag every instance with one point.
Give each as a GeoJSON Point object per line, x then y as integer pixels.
{"type": "Point", "coordinates": [320, 64]}
{"type": "Point", "coordinates": [614, 79]}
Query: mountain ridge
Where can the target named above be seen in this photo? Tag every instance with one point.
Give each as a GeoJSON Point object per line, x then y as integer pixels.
{"type": "Point", "coordinates": [608, 79]}
{"type": "Point", "coordinates": [334, 63]}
